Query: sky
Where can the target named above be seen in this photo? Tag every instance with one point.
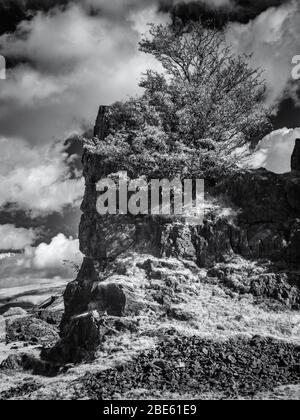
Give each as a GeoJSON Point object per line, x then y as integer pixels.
{"type": "Point", "coordinates": [65, 58]}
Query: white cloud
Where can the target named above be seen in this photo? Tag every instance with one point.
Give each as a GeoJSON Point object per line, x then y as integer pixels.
{"type": "Point", "coordinates": [36, 180]}
{"type": "Point", "coordinates": [275, 150]}
{"type": "Point", "coordinates": [53, 255]}
{"type": "Point", "coordinates": [80, 61]}
{"type": "Point", "coordinates": [273, 38]}
{"type": "Point", "coordinates": [12, 238]}
{"type": "Point", "coordinates": [46, 261]}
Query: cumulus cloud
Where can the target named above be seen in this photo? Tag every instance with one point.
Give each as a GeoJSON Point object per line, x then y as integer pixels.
{"type": "Point", "coordinates": [54, 255]}
{"type": "Point", "coordinates": [46, 261]}
{"type": "Point", "coordinates": [275, 150]}
{"type": "Point", "coordinates": [74, 58]}
{"type": "Point", "coordinates": [273, 38]}
{"type": "Point", "coordinates": [12, 238]}
{"type": "Point", "coordinates": [36, 180]}
{"type": "Point", "coordinates": [75, 61]}
{"type": "Point", "coordinates": [13, 12]}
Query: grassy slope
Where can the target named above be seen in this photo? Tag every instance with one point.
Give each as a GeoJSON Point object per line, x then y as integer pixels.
{"type": "Point", "coordinates": [211, 312]}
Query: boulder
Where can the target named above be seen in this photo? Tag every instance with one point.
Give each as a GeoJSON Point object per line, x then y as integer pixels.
{"type": "Point", "coordinates": [79, 342]}
{"type": "Point", "coordinates": [51, 317]}
{"type": "Point", "coordinates": [117, 297]}
{"type": "Point", "coordinates": [14, 312]}
{"type": "Point", "coordinates": [30, 330]}
{"type": "Point", "coordinates": [179, 314]}
{"type": "Point", "coordinates": [277, 287]}
{"type": "Point", "coordinates": [77, 295]}
{"type": "Point", "coordinates": [260, 281]}
{"type": "Point", "coordinates": [13, 362]}
{"type": "Point", "coordinates": [177, 241]}
{"type": "Point", "coordinates": [108, 298]}
{"type": "Point", "coordinates": [29, 363]}
{"type": "Point", "coordinates": [85, 334]}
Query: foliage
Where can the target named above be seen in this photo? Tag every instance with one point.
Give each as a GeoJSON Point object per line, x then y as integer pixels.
{"type": "Point", "coordinates": [196, 117]}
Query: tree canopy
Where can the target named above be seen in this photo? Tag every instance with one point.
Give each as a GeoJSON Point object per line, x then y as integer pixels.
{"type": "Point", "coordinates": [196, 116]}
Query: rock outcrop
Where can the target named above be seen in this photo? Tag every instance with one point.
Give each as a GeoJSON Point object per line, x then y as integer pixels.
{"type": "Point", "coordinates": [269, 210]}
{"type": "Point", "coordinates": [30, 330]}
{"type": "Point", "coordinates": [296, 157]}
{"type": "Point", "coordinates": [260, 281]}
{"type": "Point", "coordinates": [101, 123]}
{"type": "Point", "coordinates": [15, 311]}
{"type": "Point", "coordinates": [263, 223]}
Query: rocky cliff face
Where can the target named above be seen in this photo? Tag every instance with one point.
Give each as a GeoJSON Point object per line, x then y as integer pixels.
{"type": "Point", "coordinates": [261, 220]}
{"type": "Point", "coordinates": [296, 157]}
{"type": "Point", "coordinates": [265, 225]}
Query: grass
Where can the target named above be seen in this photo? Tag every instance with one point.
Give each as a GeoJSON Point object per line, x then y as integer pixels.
{"type": "Point", "coordinates": [214, 314]}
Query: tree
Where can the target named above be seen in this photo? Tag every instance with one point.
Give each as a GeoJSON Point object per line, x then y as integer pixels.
{"type": "Point", "coordinates": [195, 116]}
{"type": "Point", "coordinates": [211, 92]}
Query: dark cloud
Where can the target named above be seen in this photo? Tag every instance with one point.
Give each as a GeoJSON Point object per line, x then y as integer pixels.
{"type": "Point", "coordinates": [12, 12]}
{"type": "Point", "coordinates": [241, 11]}
{"type": "Point", "coordinates": [78, 54]}
{"type": "Point", "coordinates": [288, 114]}
{"type": "Point", "coordinates": [69, 58]}
{"type": "Point", "coordinates": [253, 8]}
{"type": "Point", "coordinates": [66, 222]}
